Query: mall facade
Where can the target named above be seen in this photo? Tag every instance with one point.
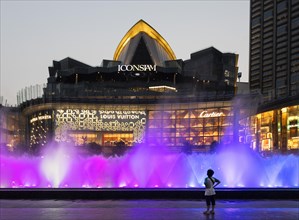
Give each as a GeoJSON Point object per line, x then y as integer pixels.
{"type": "Point", "coordinates": [145, 94]}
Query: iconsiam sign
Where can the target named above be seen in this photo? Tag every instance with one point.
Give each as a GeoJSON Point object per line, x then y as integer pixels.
{"type": "Point", "coordinates": [61, 166]}
{"type": "Point", "coordinates": [140, 67]}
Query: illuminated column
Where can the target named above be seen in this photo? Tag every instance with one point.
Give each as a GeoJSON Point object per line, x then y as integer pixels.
{"type": "Point", "coordinates": [284, 129]}
{"type": "Point", "coordinates": [275, 128]}
{"type": "Point", "coordinates": [236, 125]}
{"type": "Point", "coordinates": [258, 132]}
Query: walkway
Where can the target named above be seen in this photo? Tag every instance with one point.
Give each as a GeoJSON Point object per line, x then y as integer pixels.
{"type": "Point", "coordinates": [147, 210]}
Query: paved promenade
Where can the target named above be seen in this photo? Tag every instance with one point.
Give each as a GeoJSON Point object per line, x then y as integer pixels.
{"type": "Point", "coordinates": [147, 209]}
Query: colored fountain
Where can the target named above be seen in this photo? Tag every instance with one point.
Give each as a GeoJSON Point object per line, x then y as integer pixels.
{"type": "Point", "coordinates": [61, 166]}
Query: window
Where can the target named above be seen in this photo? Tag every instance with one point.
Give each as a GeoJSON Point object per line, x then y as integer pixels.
{"type": "Point", "coordinates": [295, 77]}
{"type": "Point", "coordinates": [281, 6]}
{"type": "Point", "coordinates": [268, 14]}
{"type": "Point", "coordinates": [281, 30]}
{"type": "Point", "coordinates": [281, 82]}
{"type": "Point", "coordinates": [256, 22]}
{"type": "Point", "coordinates": [295, 2]}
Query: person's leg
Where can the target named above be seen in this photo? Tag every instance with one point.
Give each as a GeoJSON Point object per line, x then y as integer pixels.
{"type": "Point", "coordinates": [213, 204]}
{"type": "Point", "coordinates": [208, 202]}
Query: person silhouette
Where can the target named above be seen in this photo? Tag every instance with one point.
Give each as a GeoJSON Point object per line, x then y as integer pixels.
{"type": "Point", "coordinates": [210, 183]}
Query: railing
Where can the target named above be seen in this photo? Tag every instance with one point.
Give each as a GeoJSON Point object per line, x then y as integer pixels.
{"type": "Point", "coordinates": [182, 98]}
{"type": "Point", "coordinates": [30, 92]}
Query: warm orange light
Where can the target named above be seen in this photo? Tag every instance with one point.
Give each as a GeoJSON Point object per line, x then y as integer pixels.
{"type": "Point", "coordinates": [284, 110]}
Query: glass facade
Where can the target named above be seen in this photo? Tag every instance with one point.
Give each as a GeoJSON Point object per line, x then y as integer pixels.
{"type": "Point", "coordinates": [198, 127]}
{"type": "Point", "coordinates": [174, 125]}
{"type": "Point", "coordinates": [276, 130]}
{"type": "Point", "coordinates": [11, 128]}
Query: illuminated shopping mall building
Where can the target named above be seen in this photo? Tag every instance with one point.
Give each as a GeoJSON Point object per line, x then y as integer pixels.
{"type": "Point", "coordinates": [144, 94]}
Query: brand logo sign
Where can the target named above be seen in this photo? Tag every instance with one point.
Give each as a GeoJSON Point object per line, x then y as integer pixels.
{"type": "Point", "coordinates": [205, 114]}
{"type": "Point", "coordinates": [40, 117]}
{"type": "Point", "coordinates": [136, 68]}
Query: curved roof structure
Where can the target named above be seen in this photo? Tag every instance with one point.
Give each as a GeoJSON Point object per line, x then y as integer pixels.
{"type": "Point", "coordinates": [143, 38]}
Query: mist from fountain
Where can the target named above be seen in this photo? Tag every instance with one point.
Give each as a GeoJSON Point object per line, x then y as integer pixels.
{"type": "Point", "coordinates": [61, 166]}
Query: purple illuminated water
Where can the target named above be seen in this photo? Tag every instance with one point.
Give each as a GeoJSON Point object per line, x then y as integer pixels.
{"type": "Point", "coordinates": [148, 167]}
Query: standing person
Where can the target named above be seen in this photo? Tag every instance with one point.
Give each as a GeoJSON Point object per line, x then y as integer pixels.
{"type": "Point", "coordinates": [210, 183]}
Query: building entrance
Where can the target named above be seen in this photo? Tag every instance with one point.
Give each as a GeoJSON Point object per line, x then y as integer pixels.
{"type": "Point", "coordinates": [117, 139]}
{"type": "Point", "coordinates": [103, 138]}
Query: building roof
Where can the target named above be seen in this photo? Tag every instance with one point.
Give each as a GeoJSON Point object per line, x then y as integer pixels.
{"type": "Point", "coordinates": [68, 66]}
{"type": "Point", "coordinates": [142, 33]}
